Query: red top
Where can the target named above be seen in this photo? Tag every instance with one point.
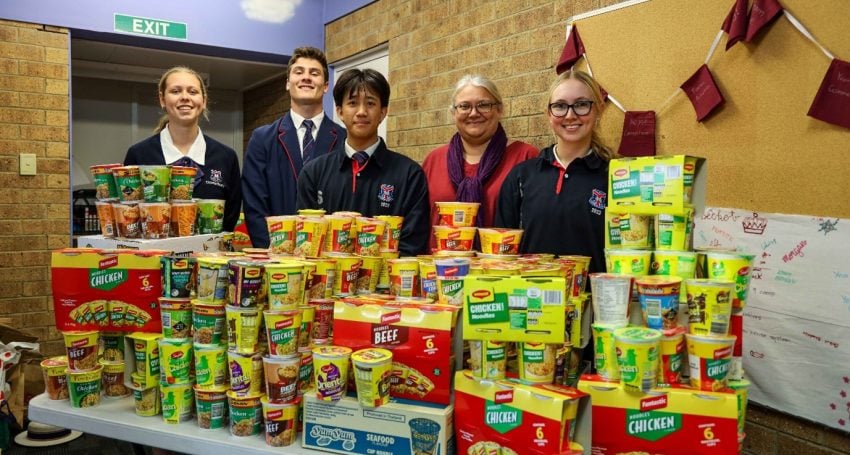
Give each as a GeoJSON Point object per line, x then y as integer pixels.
{"type": "Point", "coordinates": [440, 188]}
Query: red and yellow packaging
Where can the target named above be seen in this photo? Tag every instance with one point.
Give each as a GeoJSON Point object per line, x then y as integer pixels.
{"type": "Point", "coordinates": [106, 289]}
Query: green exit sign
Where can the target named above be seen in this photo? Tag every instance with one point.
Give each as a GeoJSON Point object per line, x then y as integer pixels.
{"type": "Point", "coordinates": [150, 27]}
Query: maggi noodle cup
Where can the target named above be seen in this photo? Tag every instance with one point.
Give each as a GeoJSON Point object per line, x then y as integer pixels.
{"type": "Point", "coordinates": [630, 262]}
{"type": "Point", "coordinates": [178, 276]}
{"type": "Point", "coordinates": [127, 219]}
{"type": "Point", "coordinates": [675, 263]}
{"type": "Point", "coordinates": [246, 283]}
{"type": "Point", "coordinates": [457, 214]}
{"type": "Point", "coordinates": [450, 238]}
{"type": "Point", "coordinates": [733, 267]}
{"type": "Point", "coordinates": [305, 372]}
{"type": "Point", "coordinates": [672, 357]}
{"type": "Point", "coordinates": [372, 368]}
{"type": "Point", "coordinates": [688, 177]}
{"type": "Point", "coordinates": [246, 414]}
{"type": "Point", "coordinates": [311, 212]}
{"type": "Point", "coordinates": [309, 234]}
{"type": "Point", "coordinates": [403, 277]}
{"type": "Point", "coordinates": [243, 327]}
{"type": "Point", "coordinates": [424, 436]}
{"type": "Point", "coordinates": [611, 295]}
{"type": "Point", "coordinates": [281, 233]}
{"type": "Point", "coordinates": [323, 318]}
{"type": "Point", "coordinates": [104, 181]}
{"type": "Point", "coordinates": [113, 379]}
{"type": "Point", "coordinates": [284, 284]}
{"type": "Point", "coordinates": [392, 233]}
{"type": "Point", "coordinates": [176, 315]}
{"type": "Point", "coordinates": [84, 387]}
{"type": "Point", "coordinates": [709, 306]}
{"type": "Point", "coordinates": [178, 402]}
{"type": "Point", "coordinates": [106, 217]}
{"type": "Point", "coordinates": [659, 301]}
{"type": "Point", "coordinates": [536, 362]}
{"type": "Point", "coordinates": [282, 374]}
{"type": "Point", "coordinates": [450, 290]}
{"type": "Point", "coordinates": [428, 278]}
{"type": "Point", "coordinates": [212, 280]}
{"type": "Point", "coordinates": [147, 401]}
{"type": "Point", "coordinates": [323, 279]}
{"type": "Point", "coordinates": [674, 232]}
{"type": "Point", "coordinates": [156, 183]}
{"type": "Point", "coordinates": [500, 241]}
{"type": "Point", "coordinates": [612, 230]}
{"type": "Point", "coordinates": [369, 273]}
{"type": "Point", "coordinates": [281, 422]}
{"type": "Point", "coordinates": [176, 361]}
{"type": "Point", "coordinates": [211, 407]}
{"type": "Point", "coordinates": [637, 357]}
{"type": "Point", "coordinates": [709, 358]}
{"type": "Point", "coordinates": [81, 349]}
{"type": "Point", "coordinates": [330, 369]}
{"type": "Point", "coordinates": [452, 267]}
{"type": "Point", "coordinates": [54, 371]}
{"type": "Point", "coordinates": [183, 216]}
{"type": "Point", "coordinates": [283, 329]}
{"type": "Point", "coordinates": [340, 237]}
{"type": "Point", "coordinates": [581, 266]}
{"type": "Point", "coordinates": [246, 372]}
{"type": "Point", "coordinates": [305, 335]}
{"type": "Point", "coordinates": [741, 389]}
{"type": "Point", "coordinates": [384, 278]}
{"type": "Point", "coordinates": [182, 182]}
{"type": "Point", "coordinates": [346, 269]}
{"type": "Point", "coordinates": [210, 366]}
{"type": "Point", "coordinates": [210, 216]}
{"type": "Point", "coordinates": [146, 355]}
{"type": "Point", "coordinates": [605, 356]}
{"type": "Point", "coordinates": [367, 235]}
{"type": "Point", "coordinates": [635, 230]}
{"type": "Point", "coordinates": [129, 183]}
{"type": "Point", "coordinates": [208, 321]}
{"type": "Point", "coordinates": [736, 327]}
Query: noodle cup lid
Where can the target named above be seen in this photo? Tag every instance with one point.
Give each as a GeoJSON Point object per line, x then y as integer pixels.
{"type": "Point", "coordinates": [720, 339]}
{"type": "Point", "coordinates": [212, 260]}
{"type": "Point", "coordinates": [457, 205]}
{"type": "Point", "coordinates": [112, 366]}
{"type": "Point", "coordinates": [609, 325]}
{"type": "Point", "coordinates": [266, 403]}
{"type": "Point", "coordinates": [44, 435]}
{"type": "Point", "coordinates": [658, 280]}
{"type": "Point", "coordinates": [637, 334]}
{"type": "Point", "coordinates": [58, 361]}
{"type": "Point", "coordinates": [331, 351]}
{"type": "Point", "coordinates": [674, 333]}
{"type": "Point", "coordinates": [234, 395]}
{"type": "Point", "coordinates": [739, 384]}
{"type": "Point", "coordinates": [213, 389]}
{"type": "Point", "coordinates": [728, 255]}
{"type": "Point", "coordinates": [709, 283]}
{"type": "Point", "coordinates": [372, 356]}
{"type": "Point", "coordinates": [501, 257]}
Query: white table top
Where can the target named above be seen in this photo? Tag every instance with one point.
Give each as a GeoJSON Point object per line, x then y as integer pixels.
{"type": "Point", "coordinates": [117, 419]}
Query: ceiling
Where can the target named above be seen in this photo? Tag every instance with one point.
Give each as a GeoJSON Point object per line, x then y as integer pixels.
{"type": "Point", "coordinates": [120, 62]}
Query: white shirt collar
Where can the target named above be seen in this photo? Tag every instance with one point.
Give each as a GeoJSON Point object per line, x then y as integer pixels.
{"type": "Point", "coordinates": [369, 150]}
{"type": "Point", "coordinates": [197, 152]}
{"type": "Point", "coordinates": [298, 121]}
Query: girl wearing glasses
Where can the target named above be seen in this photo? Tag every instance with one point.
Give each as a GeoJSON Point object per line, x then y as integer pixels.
{"type": "Point", "coordinates": [475, 162]}
{"type": "Point", "coordinates": [559, 198]}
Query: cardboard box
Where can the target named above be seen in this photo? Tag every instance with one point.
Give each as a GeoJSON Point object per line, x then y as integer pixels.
{"type": "Point", "coordinates": [651, 185]}
{"type": "Point", "coordinates": [516, 418]}
{"type": "Point", "coordinates": [106, 289]}
{"type": "Point", "coordinates": [396, 428]}
{"type": "Point", "coordinates": [666, 421]}
{"type": "Point", "coordinates": [514, 309]}
{"type": "Point", "coordinates": [179, 246]}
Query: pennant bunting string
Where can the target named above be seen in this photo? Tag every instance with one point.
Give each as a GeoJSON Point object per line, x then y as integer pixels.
{"type": "Point", "coordinates": [802, 29]}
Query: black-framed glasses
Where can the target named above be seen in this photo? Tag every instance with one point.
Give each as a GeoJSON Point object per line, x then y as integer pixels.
{"type": "Point", "coordinates": [561, 109]}
{"type": "Point", "coordinates": [483, 107]}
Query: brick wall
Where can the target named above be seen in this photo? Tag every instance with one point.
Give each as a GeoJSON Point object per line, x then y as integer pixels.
{"type": "Point", "coordinates": [263, 105]}
{"type": "Point", "coordinates": [34, 210]}
{"type": "Point", "coordinates": [433, 43]}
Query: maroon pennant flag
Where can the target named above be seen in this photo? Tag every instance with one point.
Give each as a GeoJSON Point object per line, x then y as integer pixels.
{"type": "Point", "coordinates": [762, 13]}
{"type": "Point", "coordinates": [703, 92]}
{"type": "Point", "coordinates": [573, 50]}
{"type": "Point", "coordinates": [638, 134]}
{"type": "Point", "coordinates": [832, 102]}
{"type": "Point", "coordinates": [735, 24]}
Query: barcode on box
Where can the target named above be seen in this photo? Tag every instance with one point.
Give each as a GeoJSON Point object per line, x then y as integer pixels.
{"type": "Point", "coordinates": [553, 297]}
{"type": "Point", "coordinates": [674, 172]}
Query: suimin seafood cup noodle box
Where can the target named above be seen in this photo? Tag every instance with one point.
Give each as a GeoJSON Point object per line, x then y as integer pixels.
{"type": "Point", "coordinates": [400, 427]}
{"type": "Point", "coordinates": [176, 246]}
{"type": "Point", "coordinates": [419, 335]}
{"type": "Point", "coordinates": [519, 418]}
{"type": "Point", "coordinates": [663, 421]}
{"type": "Point", "coordinates": [514, 309]}
{"type": "Point", "coordinates": [651, 185]}
{"type": "Point", "coordinates": [112, 290]}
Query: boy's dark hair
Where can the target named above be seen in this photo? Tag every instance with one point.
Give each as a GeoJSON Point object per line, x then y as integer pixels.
{"type": "Point", "coordinates": [353, 80]}
{"type": "Point", "coordinates": [311, 53]}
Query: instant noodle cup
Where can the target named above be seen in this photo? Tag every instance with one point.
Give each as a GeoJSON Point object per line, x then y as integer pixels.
{"type": "Point", "coordinates": [488, 358]}
{"type": "Point", "coordinates": [452, 267]}
{"type": "Point", "coordinates": [211, 365]}
{"type": "Point", "coordinates": [731, 266]}
{"type": "Point", "coordinates": [156, 183]}
{"type": "Point", "coordinates": [330, 369]}
{"type": "Point", "coordinates": [736, 327]}
{"type": "Point", "coordinates": [449, 238]}
{"type": "Point", "coordinates": [211, 407]}
{"type": "Point", "coordinates": [284, 283]}
{"type": "Point", "coordinates": [176, 315]}
{"type": "Point", "coordinates": [635, 230]}
{"type": "Point", "coordinates": [106, 218]}
{"type": "Point", "coordinates": [536, 362]}
{"type": "Point", "coordinates": [281, 233]}
{"type": "Point", "coordinates": [183, 217]}
{"type": "Point", "coordinates": [182, 182]}
{"type": "Point", "coordinates": [323, 318]}
{"type": "Point", "coordinates": [147, 401]}
{"type": "Point", "coordinates": [457, 214]}
{"type": "Point", "coordinates": [310, 233]}
{"type": "Point", "coordinates": [178, 276]}
{"type": "Point", "coordinates": [392, 233]}
{"type": "Point", "coordinates": [305, 335]}
{"type": "Point", "coordinates": [368, 274]}
{"type": "Point", "coordinates": [610, 297]}
{"type": "Point", "coordinates": [246, 372]}
{"type": "Point", "coordinates": [127, 219]}
{"type": "Point", "coordinates": [112, 377]}
{"type": "Point", "coordinates": [281, 421]}
{"type": "Point", "coordinates": [246, 283]}
{"type": "Point", "coordinates": [580, 267]}
{"type": "Point", "coordinates": [104, 181]}
{"type": "Point", "coordinates": [367, 235]}
{"type": "Point", "coordinates": [84, 387]}
{"type": "Point", "coordinates": [709, 358]}
{"type": "Point", "coordinates": [81, 348]}
{"type": "Point", "coordinates": [176, 363]}
{"type": "Point", "coordinates": [340, 236]}
{"type": "Point", "coordinates": [673, 352]}
{"type": "Point", "coordinates": [674, 232]}
{"type": "Point", "coordinates": [178, 402]}
{"type": "Point", "coordinates": [309, 269]}
{"type": "Point", "coordinates": [741, 389]}
{"type": "Point", "coordinates": [637, 351]}
{"type": "Point", "coordinates": [372, 367]}
{"type": "Point", "coordinates": [323, 278]}
{"type": "Point", "coordinates": [246, 414]}
{"type": "Point", "coordinates": [243, 327]}
{"type": "Point", "coordinates": [499, 241]}
{"type": "Point", "coordinates": [112, 344]}
{"type": "Point", "coordinates": [210, 216]}
{"type": "Point", "coordinates": [208, 322]}
{"type": "Point", "coordinates": [146, 355]}
{"type": "Point", "coordinates": [675, 263]}
{"type": "Point", "coordinates": [709, 306]}
{"type": "Point", "coordinates": [450, 290]}
{"type": "Point", "coordinates": [424, 436]}
{"type": "Point", "coordinates": [212, 279]}
{"type": "Point", "coordinates": [311, 212]}
{"type": "Point", "coordinates": [403, 277]}
{"type": "Point", "coordinates": [428, 278]}
{"type": "Point", "coordinates": [305, 372]}
{"type": "Point", "coordinates": [629, 262]}
{"type": "Point", "coordinates": [282, 374]}
{"type": "Point", "coordinates": [129, 183]}
{"type": "Point", "coordinates": [283, 329]}
{"type": "Point", "coordinates": [54, 370]}
{"type": "Point", "coordinates": [502, 268]}
{"type": "Point", "coordinates": [346, 271]}
{"type": "Point", "coordinates": [659, 301]}
{"type": "Point", "coordinates": [605, 356]}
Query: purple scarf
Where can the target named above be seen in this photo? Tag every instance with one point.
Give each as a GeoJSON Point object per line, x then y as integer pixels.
{"type": "Point", "coordinates": [471, 189]}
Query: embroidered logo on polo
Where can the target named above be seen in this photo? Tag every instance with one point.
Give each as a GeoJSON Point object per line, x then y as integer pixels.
{"type": "Point", "coordinates": [216, 178]}
{"type": "Point", "coordinates": [597, 201]}
{"type": "Point", "coordinates": [386, 194]}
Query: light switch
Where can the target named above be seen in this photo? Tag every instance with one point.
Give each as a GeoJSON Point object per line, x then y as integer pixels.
{"type": "Point", "coordinates": [27, 161]}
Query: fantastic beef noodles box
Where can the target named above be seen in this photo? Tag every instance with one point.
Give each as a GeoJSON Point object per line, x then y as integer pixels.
{"type": "Point", "coordinates": [666, 421]}
{"type": "Point", "coordinates": [510, 417]}
{"type": "Point", "coordinates": [420, 337]}
{"type": "Point", "coordinates": [113, 290]}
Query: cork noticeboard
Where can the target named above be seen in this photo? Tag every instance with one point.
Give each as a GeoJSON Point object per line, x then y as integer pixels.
{"type": "Point", "coordinates": [764, 152]}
